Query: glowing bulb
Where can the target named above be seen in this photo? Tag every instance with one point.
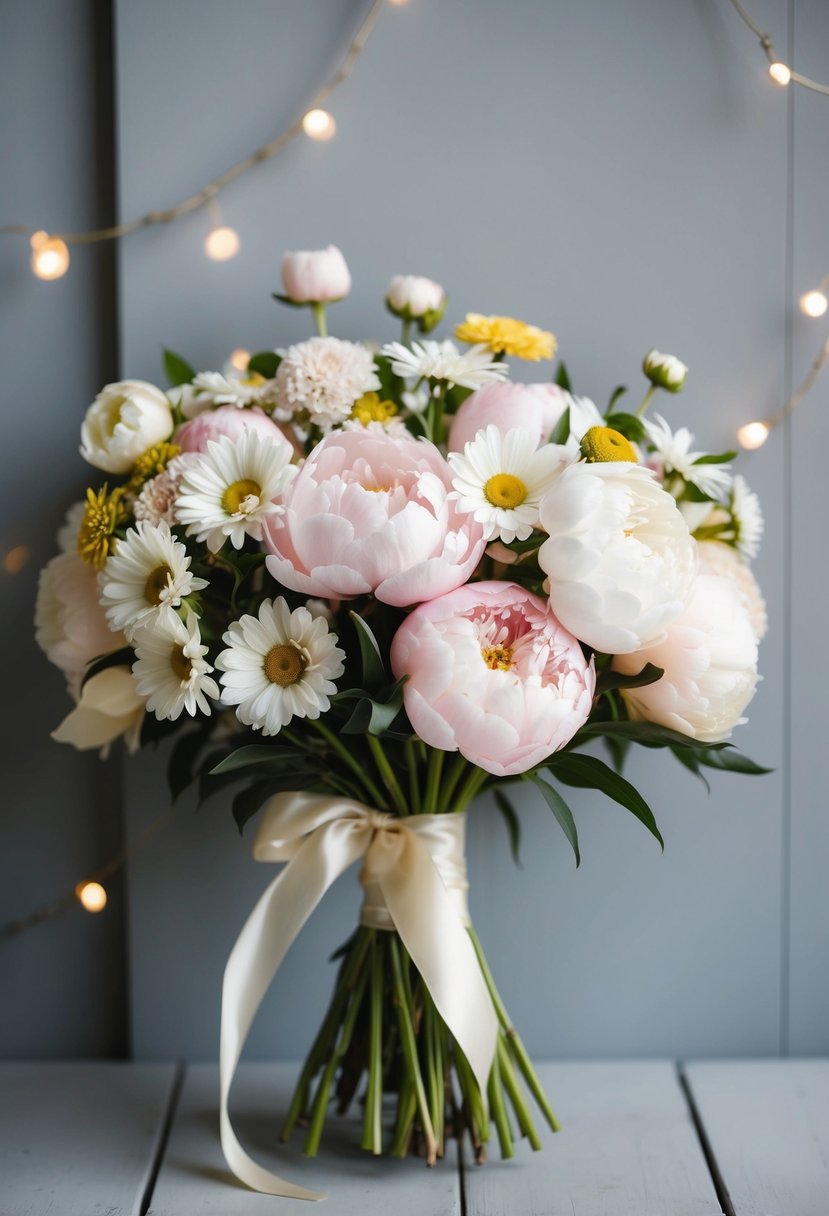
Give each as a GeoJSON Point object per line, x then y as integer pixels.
{"type": "Point", "coordinates": [92, 896]}
{"type": "Point", "coordinates": [398, 3]}
{"type": "Point", "coordinates": [780, 73]}
{"type": "Point", "coordinates": [813, 303]}
{"type": "Point", "coordinates": [753, 435]}
{"type": "Point", "coordinates": [16, 559]}
{"type": "Point", "coordinates": [221, 244]}
{"type": "Point", "coordinates": [239, 359]}
{"type": "Point", "coordinates": [50, 256]}
{"type": "Point", "coordinates": [319, 124]}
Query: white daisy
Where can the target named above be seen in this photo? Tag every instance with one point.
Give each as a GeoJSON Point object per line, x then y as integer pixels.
{"type": "Point", "coordinates": [747, 516]}
{"type": "Point", "coordinates": [146, 577]}
{"type": "Point", "coordinates": [433, 360]}
{"type": "Point", "coordinates": [500, 479]}
{"type": "Point", "coordinates": [236, 390]}
{"type": "Point", "coordinates": [279, 665]}
{"type": "Point", "coordinates": [674, 448]}
{"type": "Point", "coordinates": [230, 490]}
{"type": "Point", "coordinates": [171, 671]}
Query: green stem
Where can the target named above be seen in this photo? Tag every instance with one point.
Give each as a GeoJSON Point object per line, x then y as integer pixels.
{"type": "Point", "coordinates": [434, 1072]}
{"type": "Point", "coordinates": [318, 309]}
{"type": "Point", "coordinates": [373, 1117]}
{"type": "Point", "coordinates": [454, 775]}
{"type": "Point", "coordinates": [498, 1110]}
{"type": "Point", "coordinates": [516, 1097]}
{"type": "Point", "coordinates": [414, 784]}
{"type": "Point", "coordinates": [646, 400]}
{"type": "Point", "coordinates": [327, 1030]}
{"type": "Point", "coordinates": [472, 1097]}
{"type": "Point", "coordinates": [387, 773]}
{"type": "Point", "coordinates": [430, 797]}
{"type": "Point", "coordinates": [348, 759]}
{"type": "Point", "coordinates": [408, 1043]}
{"type": "Point", "coordinates": [320, 1107]}
{"type": "Point", "coordinates": [470, 788]}
{"type": "Point", "coordinates": [406, 1110]}
{"type": "Point", "coordinates": [406, 332]}
{"type": "Point", "coordinates": [516, 1046]}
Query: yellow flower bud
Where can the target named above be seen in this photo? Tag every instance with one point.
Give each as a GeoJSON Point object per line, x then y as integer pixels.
{"type": "Point", "coordinates": [602, 443]}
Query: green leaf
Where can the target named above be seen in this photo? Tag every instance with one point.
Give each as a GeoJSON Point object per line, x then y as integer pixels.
{"type": "Point", "coordinates": [590, 770]}
{"type": "Point", "coordinates": [618, 392]}
{"type": "Point", "coordinates": [370, 717]}
{"type": "Point", "coordinates": [287, 300]}
{"type": "Point", "coordinates": [374, 673]}
{"type": "Point", "coordinates": [511, 820]}
{"type": "Point", "coordinates": [561, 430]}
{"type": "Point", "coordinates": [255, 755]}
{"type": "Point", "coordinates": [648, 733]}
{"type": "Point", "coordinates": [731, 761]}
{"type": "Point", "coordinates": [618, 749]}
{"type": "Point", "coordinates": [177, 370]}
{"type": "Point", "coordinates": [609, 679]}
{"type": "Point", "coordinates": [562, 378]}
{"type": "Point", "coordinates": [628, 425]}
{"type": "Point", "coordinates": [248, 801]}
{"type": "Point", "coordinates": [721, 458]}
{"type": "Point", "coordinates": [264, 363]}
{"type": "Point", "coordinates": [118, 658]}
{"type": "Point", "coordinates": [561, 810]}
{"type": "Point", "coordinates": [691, 762]}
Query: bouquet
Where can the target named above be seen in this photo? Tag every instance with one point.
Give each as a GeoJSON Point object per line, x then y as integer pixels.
{"type": "Point", "coordinates": [361, 586]}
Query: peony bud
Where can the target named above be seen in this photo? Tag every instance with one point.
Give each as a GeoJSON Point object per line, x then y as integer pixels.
{"type": "Point", "coordinates": [123, 421]}
{"type": "Point", "coordinates": [414, 298]}
{"type": "Point", "coordinates": [664, 371]}
{"type": "Point", "coordinates": [315, 276]}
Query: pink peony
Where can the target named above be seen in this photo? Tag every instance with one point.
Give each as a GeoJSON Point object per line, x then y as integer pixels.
{"type": "Point", "coordinates": [227, 420]}
{"type": "Point", "coordinates": [492, 674]}
{"type": "Point", "coordinates": [370, 513]}
{"type": "Point", "coordinates": [709, 660]}
{"type": "Point", "coordinates": [532, 407]}
{"type": "Point", "coordinates": [70, 624]}
{"type": "Point", "coordinates": [315, 276]}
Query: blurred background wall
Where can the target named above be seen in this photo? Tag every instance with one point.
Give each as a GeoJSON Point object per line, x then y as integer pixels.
{"type": "Point", "coordinates": [625, 175]}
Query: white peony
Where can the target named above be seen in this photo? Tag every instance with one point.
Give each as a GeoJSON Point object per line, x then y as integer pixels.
{"type": "Point", "coordinates": [715, 557]}
{"type": "Point", "coordinates": [619, 558]}
{"type": "Point", "coordinates": [109, 708]}
{"type": "Point", "coordinates": [709, 660]}
{"type": "Point", "coordinates": [123, 421]}
{"type": "Point", "coordinates": [70, 624]}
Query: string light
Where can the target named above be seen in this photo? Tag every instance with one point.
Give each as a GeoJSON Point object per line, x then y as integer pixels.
{"type": "Point", "coordinates": [91, 896]}
{"type": "Point", "coordinates": [779, 71]}
{"type": "Point", "coordinates": [319, 124]}
{"type": "Point", "coordinates": [814, 303]}
{"type": "Point", "coordinates": [16, 558]}
{"type": "Point", "coordinates": [240, 358]}
{"type": "Point", "coordinates": [753, 432]}
{"type": "Point", "coordinates": [221, 244]}
{"type": "Point", "coordinates": [50, 256]}
{"type": "Point", "coordinates": [753, 435]}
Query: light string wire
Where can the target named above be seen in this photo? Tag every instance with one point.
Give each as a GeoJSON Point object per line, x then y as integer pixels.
{"type": "Point", "coordinates": [208, 193]}
{"type": "Point", "coordinates": [813, 303]}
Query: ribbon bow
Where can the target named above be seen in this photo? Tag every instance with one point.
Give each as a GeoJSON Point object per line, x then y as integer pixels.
{"type": "Point", "coordinates": [320, 837]}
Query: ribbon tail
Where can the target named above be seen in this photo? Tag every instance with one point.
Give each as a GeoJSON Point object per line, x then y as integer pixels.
{"type": "Point", "coordinates": [440, 947]}
{"type": "Point", "coordinates": [261, 946]}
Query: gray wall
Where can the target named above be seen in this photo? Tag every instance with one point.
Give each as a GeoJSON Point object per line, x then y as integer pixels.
{"type": "Point", "coordinates": [627, 176]}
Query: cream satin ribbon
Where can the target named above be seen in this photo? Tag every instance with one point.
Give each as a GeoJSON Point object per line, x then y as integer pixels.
{"type": "Point", "coordinates": [415, 866]}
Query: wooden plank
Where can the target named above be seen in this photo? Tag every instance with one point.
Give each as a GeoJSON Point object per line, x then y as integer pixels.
{"type": "Point", "coordinates": [82, 1137]}
{"type": "Point", "coordinates": [194, 1177]}
{"type": "Point", "coordinates": [627, 1147]}
{"type": "Point", "coordinates": [767, 1125]}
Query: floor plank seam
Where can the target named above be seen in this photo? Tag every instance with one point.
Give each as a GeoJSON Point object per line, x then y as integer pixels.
{"type": "Point", "coordinates": [705, 1144]}
{"type": "Point", "coordinates": [160, 1147]}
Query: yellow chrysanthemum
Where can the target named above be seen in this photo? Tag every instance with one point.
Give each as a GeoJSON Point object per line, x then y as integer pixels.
{"type": "Point", "coordinates": [506, 335]}
{"type": "Point", "coordinates": [602, 443]}
{"type": "Point", "coordinates": [103, 514]}
{"type": "Point", "coordinates": [151, 463]}
{"type": "Point", "coordinates": [369, 408]}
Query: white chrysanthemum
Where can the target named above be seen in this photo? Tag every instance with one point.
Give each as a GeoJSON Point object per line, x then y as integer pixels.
{"type": "Point", "coordinates": [323, 377]}
{"type": "Point", "coordinates": [500, 479]}
{"type": "Point", "coordinates": [674, 449]}
{"type": "Point", "coordinates": [232, 390]}
{"type": "Point", "coordinates": [70, 626]}
{"type": "Point", "coordinates": [433, 360]}
{"type": "Point", "coordinates": [619, 557]}
{"type": "Point", "coordinates": [230, 490]}
{"type": "Point", "coordinates": [279, 665]}
{"type": "Point", "coordinates": [747, 516]}
{"type": "Point", "coordinates": [715, 557]}
{"type": "Point", "coordinates": [709, 662]}
{"type": "Point", "coordinates": [70, 528]}
{"type": "Point", "coordinates": [157, 500]}
{"type": "Point", "coordinates": [146, 578]}
{"type": "Point", "coordinates": [171, 671]}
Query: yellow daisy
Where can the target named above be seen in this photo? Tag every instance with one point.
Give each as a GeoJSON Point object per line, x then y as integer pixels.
{"type": "Point", "coordinates": [151, 463]}
{"type": "Point", "coordinates": [508, 336]}
{"type": "Point", "coordinates": [103, 513]}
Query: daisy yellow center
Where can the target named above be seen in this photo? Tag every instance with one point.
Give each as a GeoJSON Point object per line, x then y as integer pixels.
{"type": "Point", "coordinates": [369, 408]}
{"type": "Point", "coordinates": [156, 584]}
{"type": "Point", "coordinates": [602, 443]}
{"type": "Point", "coordinates": [497, 658]}
{"type": "Point", "coordinates": [284, 665]}
{"type": "Point", "coordinates": [237, 494]}
{"type": "Point", "coordinates": [505, 490]}
{"type": "Point", "coordinates": [181, 665]}
{"type": "Point", "coordinates": [254, 379]}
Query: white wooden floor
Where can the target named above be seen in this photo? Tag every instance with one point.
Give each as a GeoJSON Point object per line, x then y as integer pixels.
{"type": "Point", "coordinates": [640, 1138]}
